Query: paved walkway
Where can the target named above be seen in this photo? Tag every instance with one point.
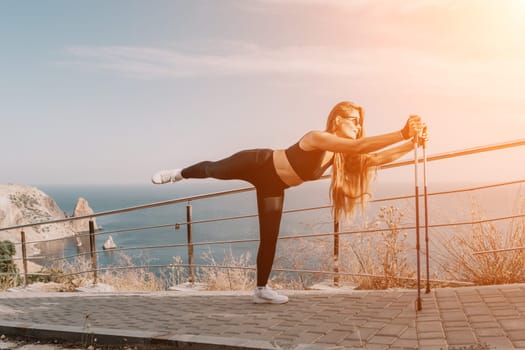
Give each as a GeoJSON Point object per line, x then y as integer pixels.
{"type": "Point", "coordinates": [452, 318]}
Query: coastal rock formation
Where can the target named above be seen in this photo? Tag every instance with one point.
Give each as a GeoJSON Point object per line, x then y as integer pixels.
{"type": "Point", "coordinates": [20, 205]}
{"type": "Point", "coordinates": [109, 244]}
{"type": "Point", "coordinates": [83, 209]}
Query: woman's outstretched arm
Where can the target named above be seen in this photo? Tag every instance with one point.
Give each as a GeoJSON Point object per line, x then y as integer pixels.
{"type": "Point", "coordinates": [333, 143]}
{"type": "Point", "coordinates": [394, 153]}
{"type": "Point", "coordinates": [391, 154]}
{"type": "Point", "coordinates": [329, 142]}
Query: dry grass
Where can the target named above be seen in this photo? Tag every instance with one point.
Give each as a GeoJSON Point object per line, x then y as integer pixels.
{"type": "Point", "coordinates": [8, 269]}
{"type": "Point", "coordinates": [315, 254]}
{"type": "Point", "coordinates": [70, 274]}
{"type": "Point", "coordinates": [241, 275]}
{"type": "Point", "coordinates": [130, 277]}
{"type": "Point", "coordinates": [9, 281]}
{"type": "Point", "coordinates": [383, 254]}
{"type": "Point", "coordinates": [461, 262]}
{"type": "Point", "coordinates": [176, 273]}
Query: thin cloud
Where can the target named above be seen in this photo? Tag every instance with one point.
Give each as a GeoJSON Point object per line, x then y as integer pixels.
{"type": "Point", "coordinates": [162, 63]}
{"type": "Point", "coordinates": [406, 68]}
{"type": "Point", "coordinates": [376, 6]}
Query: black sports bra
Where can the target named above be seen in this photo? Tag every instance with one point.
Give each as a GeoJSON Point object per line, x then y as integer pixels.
{"type": "Point", "coordinates": [307, 164]}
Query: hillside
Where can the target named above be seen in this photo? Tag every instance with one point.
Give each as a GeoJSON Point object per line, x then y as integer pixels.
{"type": "Point", "coordinates": [20, 204]}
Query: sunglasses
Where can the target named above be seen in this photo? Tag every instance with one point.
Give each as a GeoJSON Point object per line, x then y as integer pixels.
{"type": "Point", "coordinates": [353, 120]}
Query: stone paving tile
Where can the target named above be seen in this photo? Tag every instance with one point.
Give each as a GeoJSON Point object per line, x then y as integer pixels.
{"type": "Point", "coordinates": [485, 325]}
{"type": "Point", "coordinates": [310, 337]}
{"type": "Point", "coordinates": [430, 335]}
{"type": "Point", "coordinates": [351, 344]}
{"type": "Point", "coordinates": [476, 310]}
{"type": "Point", "coordinates": [455, 325]}
{"type": "Point", "coordinates": [409, 334]}
{"type": "Point", "coordinates": [513, 325]}
{"type": "Point", "coordinates": [460, 337]}
{"type": "Point", "coordinates": [374, 325]}
{"type": "Point", "coordinates": [404, 344]}
{"type": "Point", "coordinates": [362, 334]}
{"type": "Point", "coordinates": [453, 316]}
{"type": "Point", "coordinates": [382, 340]}
{"type": "Point", "coordinates": [392, 330]}
{"type": "Point", "coordinates": [334, 337]}
{"type": "Point", "coordinates": [497, 342]}
{"type": "Point", "coordinates": [519, 344]}
{"type": "Point", "coordinates": [377, 347]}
{"type": "Point", "coordinates": [481, 318]}
{"type": "Point", "coordinates": [490, 332]}
{"type": "Point", "coordinates": [516, 335]}
{"type": "Point", "coordinates": [432, 344]}
{"type": "Point", "coordinates": [429, 326]}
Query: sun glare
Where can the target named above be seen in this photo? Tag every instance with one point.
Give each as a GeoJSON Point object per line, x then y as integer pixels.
{"type": "Point", "coordinates": [515, 10]}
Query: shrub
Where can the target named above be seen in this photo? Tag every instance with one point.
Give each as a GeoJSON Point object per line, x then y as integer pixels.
{"type": "Point", "coordinates": [463, 264]}
{"type": "Point", "coordinates": [382, 255]}
{"type": "Point", "coordinates": [239, 276]}
{"type": "Point", "coordinates": [8, 268]}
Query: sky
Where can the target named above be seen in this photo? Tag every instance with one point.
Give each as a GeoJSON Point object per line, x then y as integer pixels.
{"type": "Point", "coordinates": [108, 92]}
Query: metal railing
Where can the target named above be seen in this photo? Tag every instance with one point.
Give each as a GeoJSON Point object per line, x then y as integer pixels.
{"type": "Point", "coordinates": [336, 233]}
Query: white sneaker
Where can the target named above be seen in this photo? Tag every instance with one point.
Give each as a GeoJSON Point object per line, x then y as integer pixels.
{"type": "Point", "coordinates": [165, 176]}
{"type": "Point", "coordinates": [266, 295]}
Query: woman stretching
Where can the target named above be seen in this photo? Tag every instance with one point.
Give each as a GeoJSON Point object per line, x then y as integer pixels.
{"type": "Point", "coordinates": [342, 146]}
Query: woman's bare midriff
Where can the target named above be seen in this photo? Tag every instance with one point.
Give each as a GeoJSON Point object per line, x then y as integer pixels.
{"type": "Point", "coordinates": [284, 170]}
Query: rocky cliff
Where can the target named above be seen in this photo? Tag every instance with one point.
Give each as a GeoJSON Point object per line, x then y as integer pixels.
{"type": "Point", "coordinates": [20, 205]}
{"type": "Point", "coordinates": [82, 208]}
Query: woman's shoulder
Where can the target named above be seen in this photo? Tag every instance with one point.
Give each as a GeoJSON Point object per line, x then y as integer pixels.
{"type": "Point", "coordinates": [313, 139]}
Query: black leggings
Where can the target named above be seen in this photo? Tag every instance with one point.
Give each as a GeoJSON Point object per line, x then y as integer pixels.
{"type": "Point", "coordinates": [256, 167]}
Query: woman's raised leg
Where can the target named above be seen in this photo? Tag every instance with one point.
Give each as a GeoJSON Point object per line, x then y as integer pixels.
{"type": "Point", "coordinates": [240, 166]}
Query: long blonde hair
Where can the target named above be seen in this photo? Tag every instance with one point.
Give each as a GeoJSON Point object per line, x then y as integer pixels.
{"type": "Point", "coordinates": [350, 173]}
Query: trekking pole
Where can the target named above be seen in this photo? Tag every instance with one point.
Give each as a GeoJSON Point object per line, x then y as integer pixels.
{"type": "Point", "coordinates": [418, 246]}
{"type": "Point", "coordinates": [425, 194]}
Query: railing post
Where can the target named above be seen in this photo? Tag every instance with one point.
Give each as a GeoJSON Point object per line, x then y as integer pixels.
{"type": "Point", "coordinates": [336, 252]}
{"type": "Point", "coordinates": [419, 305]}
{"type": "Point", "coordinates": [24, 255]}
{"type": "Point", "coordinates": [426, 215]}
{"type": "Point", "coordinates": [427, 253]}
{"type": "Point", "coordinates": [190, 244]}
{"type": "Point", "coordinates": [93, 249]}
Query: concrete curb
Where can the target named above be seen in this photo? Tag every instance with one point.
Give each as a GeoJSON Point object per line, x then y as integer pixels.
{"type": "Point", "coordinates": [114, 338]}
